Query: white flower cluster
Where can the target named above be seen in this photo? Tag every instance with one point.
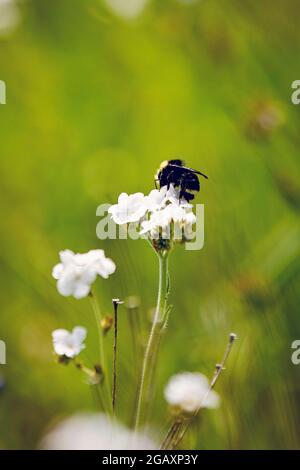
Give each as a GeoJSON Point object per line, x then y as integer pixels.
{"type": "Point", "coordinates": [161, 214]}
{"type": "Point", "coordinates": [189, 391]}
{"type": "Point", "coordinates": [76, 272]}
{"type": "Point", "coordinates": [69, 344]}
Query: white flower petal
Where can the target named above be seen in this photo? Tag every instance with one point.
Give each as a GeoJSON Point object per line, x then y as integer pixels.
{"type": "Point", "coordinates": [66, 256]}
{"type": "Point", "coordinates": [81, 290]}
{"type": "Point", "coordinates": [105, 267]}
{"type": "Point", "coordinates": [57, 271]}
{"type": "Point", "coordinates": [88, 274]}
{"type": "Point", "coordinates": [130, 208]}
{"type": "Point", "coordinates": [123, 198]}
{"type": "Point", "coordinates": [79, 334]}
{"type": "Point", "coordinates": [212, 400]}
{"type": "Point", "coordinates": [60, 334]}
{"type": "Point", "coordinates": [65, 286]}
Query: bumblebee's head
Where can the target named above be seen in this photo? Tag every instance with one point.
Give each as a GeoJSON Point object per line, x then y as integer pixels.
{"type": "Point", "coordinates": [176, 161]}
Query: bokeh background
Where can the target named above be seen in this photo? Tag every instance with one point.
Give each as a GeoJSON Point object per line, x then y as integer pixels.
{"type": "Point", "coordinates": [98, 94]}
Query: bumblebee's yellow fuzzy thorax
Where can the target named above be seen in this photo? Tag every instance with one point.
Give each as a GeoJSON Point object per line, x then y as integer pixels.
{"type": "Point", "coordinates": [161, 167]}
{"type": "Point", "coordinates": [163, 164]}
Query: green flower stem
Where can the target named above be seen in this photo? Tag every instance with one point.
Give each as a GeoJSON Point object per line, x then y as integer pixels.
{"type": "Point", "coordinates": [98, 317]}
{"type": "Point", "coordinates": [154, 333]}
{"type": "Point", "coordinates": [114, 386]}
{"type": "Point", "coordinates": [91, 374]}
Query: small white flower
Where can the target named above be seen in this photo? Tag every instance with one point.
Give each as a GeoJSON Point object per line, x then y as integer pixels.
{"type": "Point", "coordinates": [76, 272]}
{"type": "Point", "coordinates": [159, 198]}
{"type": "Point", "coordinates": [189, 391]}
{"type": "Point", "coordinates": [173, 196]}
{"type": "Point", "coordinates": [158, 220]}
{"type": "Point", "coordinates": [130, 208]}
{"type": "Point", "coordinates": [69, 344]}
{"type": "Point", "coordinates": [87, 431]}
{"type": "Point", "coordinates": [176, 213]}
{"type": "Point", "coordinates": [156, 199]}
{"type": "Point", "coordinates": [182, 217]}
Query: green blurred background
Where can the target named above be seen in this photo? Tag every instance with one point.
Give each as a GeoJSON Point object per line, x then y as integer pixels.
{"type": "Point", "coordinates": [95, 101]}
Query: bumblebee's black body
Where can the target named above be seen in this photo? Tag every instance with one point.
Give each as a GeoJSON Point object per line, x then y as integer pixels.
{"type": "Point", "coordinates": [174, 172]}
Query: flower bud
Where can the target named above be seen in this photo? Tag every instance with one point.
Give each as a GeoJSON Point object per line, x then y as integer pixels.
{"type": "Point", "coordinates": [99, 376]}
{"type": "Point", "coordinates": [63, 359]}
{"type": "Point", "coordinates": [106, 323]}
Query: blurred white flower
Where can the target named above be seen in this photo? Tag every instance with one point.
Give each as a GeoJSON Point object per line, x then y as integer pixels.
{"type": "Point", "coordinates": [189, 391]}
{"type": "Point", "coordinates": [68, 343]}
{"type": "Point", "coordinates": [127, 9]}
{"type": "Point", "coordinates": [9, 16]}
{"type": "Point", "coordinates": [187, 2]}
{"type": "Point", "coordinates": [87, 431]}
{"type": "Point", "coordinates": [130, 208]}
{"type": "Point", "coordinates": [76, 272]}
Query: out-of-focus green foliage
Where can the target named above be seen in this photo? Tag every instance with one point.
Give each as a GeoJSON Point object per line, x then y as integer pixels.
{"type": "Point", "coordinates": [94, 104]}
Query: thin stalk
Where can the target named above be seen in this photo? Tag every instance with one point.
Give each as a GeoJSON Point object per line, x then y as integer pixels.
{"type": "Point", "coordinates": [98, 317]}
{"type": "Point", "coordinates": [96, 389]}
{"type": "Point", "coordinates": [133, 333]}
{"type": "Point", "coordinates": [154, 332]}
{"type": "Point", "coordinates": [91, 374]}
{"type": "Point", "coordinates": [170, 434]}
{"type": "Point", "coordinates": [174, 437]}
{"type": "Point", "coordinates": [114, 387]}
{"type": "Point", "coordinates": [152, 374]}
{"type": "Point", "coordinates": [135, 330]}
{"type": "Point", "coordinates": [218, 370]}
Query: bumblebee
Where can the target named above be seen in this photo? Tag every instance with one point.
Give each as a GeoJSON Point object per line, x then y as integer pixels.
{"type": "Point", "coordinates": [175, 172]}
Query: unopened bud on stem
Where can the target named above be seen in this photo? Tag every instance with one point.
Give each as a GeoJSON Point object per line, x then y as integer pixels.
{"type": "Point", "coordinates": [106, 323]}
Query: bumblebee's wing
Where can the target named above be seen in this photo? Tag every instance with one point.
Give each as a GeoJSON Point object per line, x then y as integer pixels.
{"type": "Point", "coordinates": [190, 181]}
{"type": "Point", "coordinates": [199, 173]}
{"type": "Point", "coordinates": [185, 168]}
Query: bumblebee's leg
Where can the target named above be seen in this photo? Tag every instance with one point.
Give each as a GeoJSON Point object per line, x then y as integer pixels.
{"type": "Point", "coordinates": [169, 178]}
{"type": "Point", "coordinates": [182, 187]}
